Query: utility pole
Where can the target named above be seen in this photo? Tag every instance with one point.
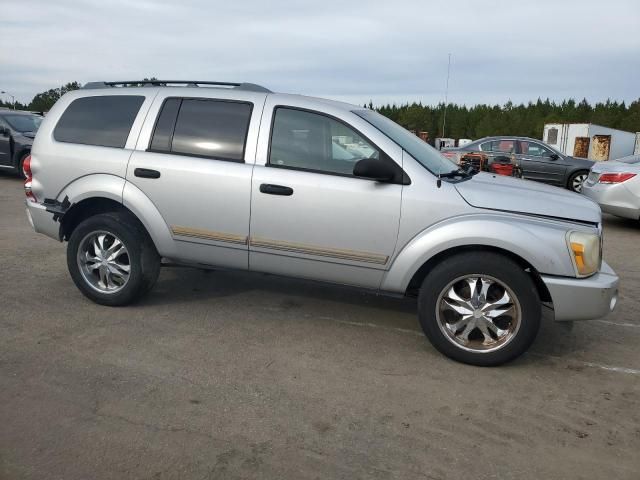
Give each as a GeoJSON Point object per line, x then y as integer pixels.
{"type": "Point", "coordinates": [13, 99]}
{"type": "Point", "coordinates": [446, 97]}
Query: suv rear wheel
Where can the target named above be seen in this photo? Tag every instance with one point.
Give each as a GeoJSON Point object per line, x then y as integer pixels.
{"type": "Point", "coordinates": [479, 308]}
{"type": "Point", "coordinates": [111, 259]}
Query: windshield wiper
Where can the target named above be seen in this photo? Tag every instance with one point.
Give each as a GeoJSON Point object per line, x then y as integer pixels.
{"type": "Point", "coordinates": [456, 173]}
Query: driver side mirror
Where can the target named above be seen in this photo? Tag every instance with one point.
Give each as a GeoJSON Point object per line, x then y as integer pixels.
{"type": "Point", "coordinates": [4, 131]}
{"type": "Point", "coordinates": [374, 169]}
{"type": "Point", "coordinates": [554, 156]}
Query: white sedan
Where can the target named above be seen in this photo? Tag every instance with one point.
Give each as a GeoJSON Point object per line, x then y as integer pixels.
{"type": "Point", "coordinates": [615, 185]}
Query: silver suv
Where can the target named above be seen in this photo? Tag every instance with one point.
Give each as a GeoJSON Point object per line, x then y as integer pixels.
{"type": "Point", "coordinates": [133, 174]}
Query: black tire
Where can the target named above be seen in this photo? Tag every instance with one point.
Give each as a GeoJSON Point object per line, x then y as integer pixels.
{"type": "Point", "coordinates": [572, 180]}
{"type": "Point", "coordinates": [143, 257]}
{"type": "Point", "coordinates": [19, 172]}
{"type": "Point", "coordinates": [489, 264]}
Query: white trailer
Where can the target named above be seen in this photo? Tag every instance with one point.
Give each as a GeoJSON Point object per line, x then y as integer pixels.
{"type": "Point", "coordinates": [586, 140]}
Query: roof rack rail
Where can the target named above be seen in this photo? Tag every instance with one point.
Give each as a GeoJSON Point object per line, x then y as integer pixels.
{"type": "Point", "coordinates": [251, 87]}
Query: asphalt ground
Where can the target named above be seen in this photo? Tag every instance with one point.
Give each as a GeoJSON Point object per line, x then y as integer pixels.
{"type": "Point", "coordinates": [235, 375]}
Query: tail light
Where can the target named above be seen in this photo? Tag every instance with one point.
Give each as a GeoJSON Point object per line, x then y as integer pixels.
{"type": "Point", "coordinates": [615, 177]}
{"type": "Point", "coordinates": [26, 169]}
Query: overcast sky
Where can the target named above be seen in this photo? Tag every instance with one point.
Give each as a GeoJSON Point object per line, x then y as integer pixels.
{"type": "Point", "coordinates": [386, 51]}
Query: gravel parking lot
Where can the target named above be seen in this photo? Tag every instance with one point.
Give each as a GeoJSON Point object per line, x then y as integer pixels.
{"type": "Point", "coordinates": [230, 375]}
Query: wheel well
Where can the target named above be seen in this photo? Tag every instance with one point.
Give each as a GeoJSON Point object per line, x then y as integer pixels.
{"type": "Point", "coordinates": [419, 276]}
{"type": "Point", "coordinates": [87, 208]}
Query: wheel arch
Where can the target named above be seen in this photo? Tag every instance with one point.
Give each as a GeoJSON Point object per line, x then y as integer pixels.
{"type": "Point", "coordinates": [419, 276]}
{"type": "Point", "coordinates": [87, 208]}
{"type": "Point", "coordinates": [98, 193]}
{"type": "Point", "coordinates": [539, 246]}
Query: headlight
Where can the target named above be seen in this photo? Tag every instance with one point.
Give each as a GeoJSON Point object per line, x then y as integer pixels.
{"type": "Point", "coordinates": [585, 252]}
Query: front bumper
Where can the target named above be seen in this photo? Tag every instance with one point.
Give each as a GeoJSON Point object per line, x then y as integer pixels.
{"type": "Point", "coordinates": [583, 298]}
{"type": "Point", "coordinates": [42, 221]}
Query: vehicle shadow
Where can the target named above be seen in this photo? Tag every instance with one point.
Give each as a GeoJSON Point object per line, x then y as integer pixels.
{"type": "Point", "coordinates": [185, 285]}
{"type": "Point", "coordinates": [8, 173]}
{"type": "Point", "coordinates": [618, 222]}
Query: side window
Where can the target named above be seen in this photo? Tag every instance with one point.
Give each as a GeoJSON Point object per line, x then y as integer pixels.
{"type": "Point", "coordinates": [203, 128]}
{"type": "Point", "coordinates": [533, 149]}
{"type": "Point", "coordinates": [163, 133]}
{"type": "Point", "coordinates": [504, 146]}
{"type": "Point", "coordinates": [311, 141]}
{"type": "Point", "coordinates": [486, 147]}
{"type": "Point", "coordinates": [101, 120]}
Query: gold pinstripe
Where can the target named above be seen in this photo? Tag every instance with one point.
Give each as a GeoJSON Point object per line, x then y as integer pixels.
{"type": "Point", "coordinates": [304, 248]}
{"type": "Point", "coordinates": [344, 254]}
{"type": "Point", "coordinates": [209, 235]}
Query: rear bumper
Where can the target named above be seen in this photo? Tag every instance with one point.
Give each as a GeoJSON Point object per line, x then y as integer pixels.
{"type": "Point", "coordinates": [614, 199]}
{"type": "Point", "coordinates": [42, 221]}
{"type": "Point", "coordinates": [583, 298]}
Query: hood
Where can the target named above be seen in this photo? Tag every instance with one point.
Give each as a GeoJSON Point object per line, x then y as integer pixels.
{"type": "Point", "coordinates": [498, 192]}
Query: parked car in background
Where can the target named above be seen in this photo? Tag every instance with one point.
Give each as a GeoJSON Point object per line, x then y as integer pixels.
{"type": "Point", "coordinates": [235, 176]}
{"type": "Point", "coordinates": [615, 185]}
{"type": "Point", "coordinates": [536, 160]}
{"type": "Point", "coordinates": [17, 131]}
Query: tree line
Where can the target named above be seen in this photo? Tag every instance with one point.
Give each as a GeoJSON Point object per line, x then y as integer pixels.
{"type": "Point", "coordinates": [43, 101]}
{"type": "Point", "coordinates": [461, 121]}
{"type": "Point", "coordinates": [510, 119]}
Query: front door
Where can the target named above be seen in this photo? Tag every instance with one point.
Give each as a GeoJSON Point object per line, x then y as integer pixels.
{"type": "Point", "coordinates": [540, 163]}
{"type": "Point", "coordinates": [310, 217]}
{"type": "Point", "coordinates": [194, 170]}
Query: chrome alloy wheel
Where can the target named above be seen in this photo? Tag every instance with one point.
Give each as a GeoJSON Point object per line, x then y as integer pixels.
{"type": "Point", "coordinates": [577, 182]}
{"type": "Point", "coordinates": [478, 313]}
{"type": "Point", "coordinates": [104, 262]}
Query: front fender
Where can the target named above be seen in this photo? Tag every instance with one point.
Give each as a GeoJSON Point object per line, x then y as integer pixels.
{"type": "Point", "coordinates": [541, 243]}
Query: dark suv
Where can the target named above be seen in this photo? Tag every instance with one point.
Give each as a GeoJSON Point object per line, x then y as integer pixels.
{"type": "Point", "coordinates": [17, 131]}
{"type": "Point", "coordinates": [537, 160]}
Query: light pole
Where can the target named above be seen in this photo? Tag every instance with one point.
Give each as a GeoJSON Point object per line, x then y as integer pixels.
{"type": "Point", "coordinates": [13, 99]}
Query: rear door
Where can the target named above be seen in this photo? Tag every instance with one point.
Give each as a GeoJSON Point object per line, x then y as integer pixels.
{"type": "Point", "coordinates": [540, 163]}
{"type": "Point", "coordinates": [310, 217]}
{"type": "Point", "coordinates": [195, 165]}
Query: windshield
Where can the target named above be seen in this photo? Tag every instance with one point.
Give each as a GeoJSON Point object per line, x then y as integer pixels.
{"type": "Point", "coordinates": [23, 123]}
{"type": "Point", "coordinates": [630, 159]}
{"type": "Point", "coordinates": [424, 153]}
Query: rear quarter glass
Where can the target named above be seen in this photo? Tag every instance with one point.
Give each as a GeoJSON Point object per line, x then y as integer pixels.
{"type": "Point", "coordinates": [104, 120]}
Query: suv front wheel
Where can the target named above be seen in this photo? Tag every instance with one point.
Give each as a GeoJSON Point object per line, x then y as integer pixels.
{"type": "Point", "coordinates": [111, 259]}
{"type": "Point", "coordinates": [479, 308]}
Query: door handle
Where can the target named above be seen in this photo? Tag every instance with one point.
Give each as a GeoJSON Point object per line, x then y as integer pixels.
{"type": "Point", "coordinates": [146, 173]}
{"type": "Point", "coordinates": [276, 189]}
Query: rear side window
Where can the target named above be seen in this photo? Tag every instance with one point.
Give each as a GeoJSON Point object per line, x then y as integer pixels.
{"type": "Point", "coordinates": [504, 146]}
{"type": "Point", "coordinates": [163, 134]}
{"type": "Point", "coordinates": [103, 120]}
{"type": "Point", "coordinates": [203, 128]}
